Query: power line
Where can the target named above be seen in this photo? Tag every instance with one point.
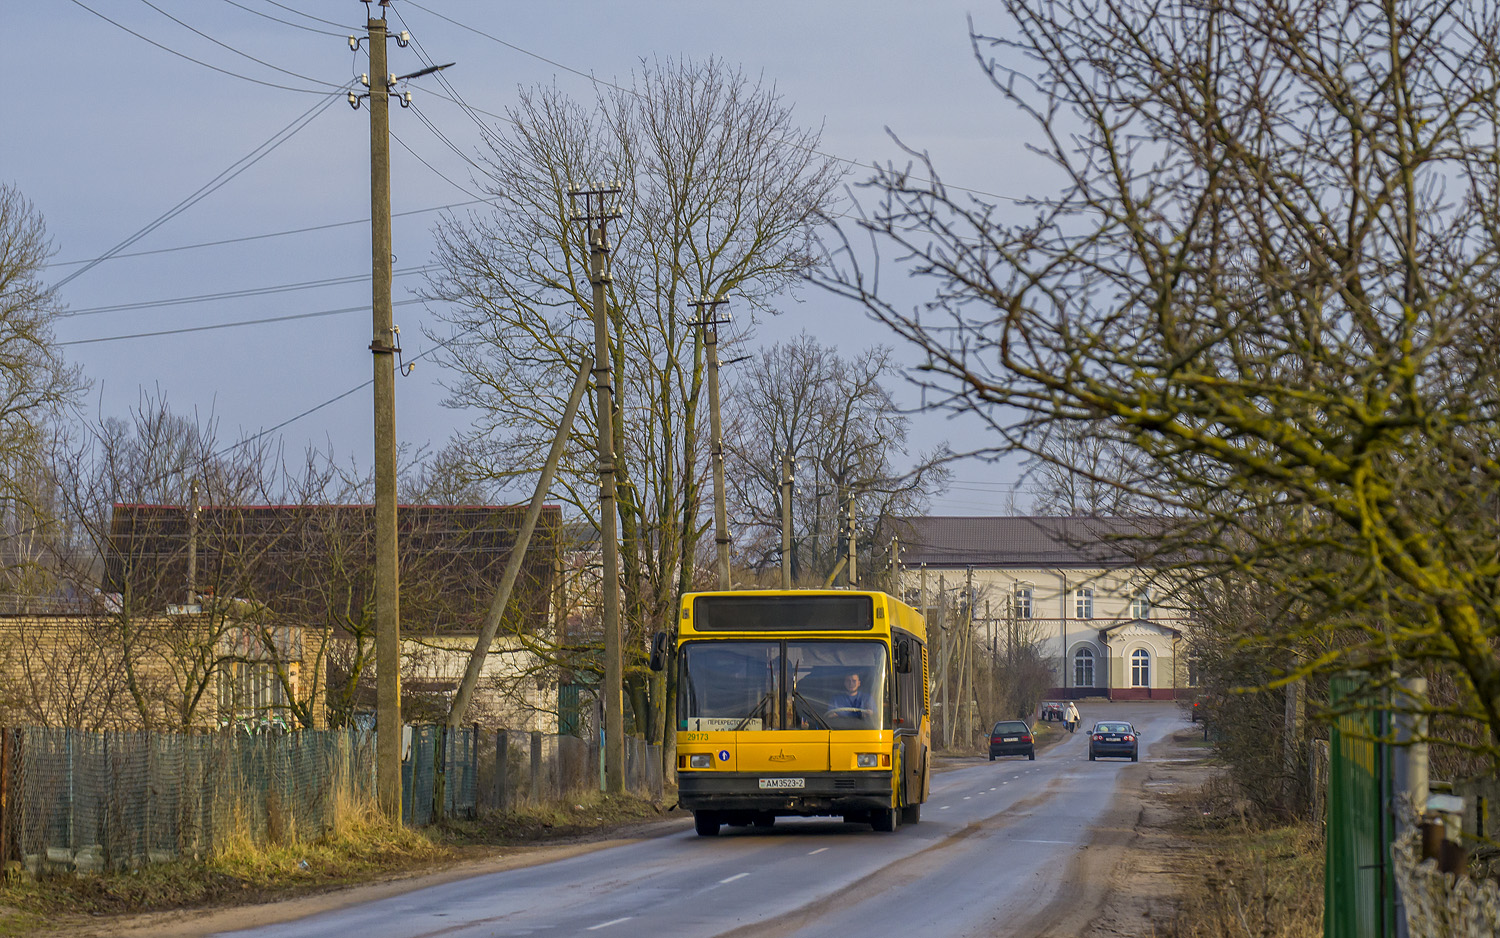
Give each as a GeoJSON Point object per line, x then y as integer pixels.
{"type": "Point", "coordinates": [259, 237]}
{"type": "Point", "coordinates": [634, 93]}
{"type": "Point", "coordinates": [513, 46]}
{"type": "Point", "coordinates": [443, 80]}
{"type": "Point", "coordinates": [277, 19]}
{"type": "Point", "coordinates": [435, 171]}
{"type": "Point", "coordinates": [231, 325]}
{"type": "Point", "coordinates": [222, 71]}
{"type": "Point", "coordinates": [308, 15]}
{"type": "Point", "coordinates": [236, 294]}
{"type": "Point", "coordinates": [338, 397]}
{"type": "Point", "coordinates": [239, 166]}
{"type": "Point", "coordinates": [427, 122]}
{"type": "Point", "coordinates": [223, 45]}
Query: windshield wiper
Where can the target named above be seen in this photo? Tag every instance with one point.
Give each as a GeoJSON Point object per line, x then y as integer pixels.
{"type": "Point", "coordinates": [809, 710]}
{"type": "Point", "coordinates": [757, 709]}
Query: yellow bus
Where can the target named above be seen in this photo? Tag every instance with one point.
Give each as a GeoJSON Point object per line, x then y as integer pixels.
{"type": "Point", "coordinates": [800, 703]}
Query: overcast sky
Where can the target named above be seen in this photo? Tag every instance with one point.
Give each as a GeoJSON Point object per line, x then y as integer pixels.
{"type": "Point", "coordinates": [106, 132]}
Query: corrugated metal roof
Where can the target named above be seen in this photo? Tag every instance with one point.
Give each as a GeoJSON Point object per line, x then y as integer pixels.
{"type": "Point", "coordinates": [948, 541]}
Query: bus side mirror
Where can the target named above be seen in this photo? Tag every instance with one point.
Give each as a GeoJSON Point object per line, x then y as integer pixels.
{"type": "Point", "coordinates": [903, 658]}
{"type": "Point", "coordinates": [661, 646]}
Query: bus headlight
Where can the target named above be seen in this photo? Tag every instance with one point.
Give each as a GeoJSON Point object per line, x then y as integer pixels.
{"type": "Point", "coordinates": [701, 760]}
{"type": "Point", "coordinates": [871, 760]}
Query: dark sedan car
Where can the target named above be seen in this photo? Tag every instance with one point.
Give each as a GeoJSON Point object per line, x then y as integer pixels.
{"type": "Point", "coordinates": [1012, 738]}
{"type": "Point", "coordinates": [1114, 738]}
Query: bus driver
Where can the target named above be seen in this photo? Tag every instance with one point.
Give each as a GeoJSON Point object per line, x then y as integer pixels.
{"type": "Point", "coordinates": [853, 702]}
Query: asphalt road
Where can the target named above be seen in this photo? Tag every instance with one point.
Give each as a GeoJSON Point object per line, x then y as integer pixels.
{"type": "Point", "coordinates": [1011, 847]}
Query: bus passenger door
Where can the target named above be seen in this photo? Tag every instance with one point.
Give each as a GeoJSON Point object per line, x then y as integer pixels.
{"type": "Point", "coordinates": [909, 721]}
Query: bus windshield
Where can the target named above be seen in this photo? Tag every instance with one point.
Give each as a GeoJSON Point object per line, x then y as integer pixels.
{"type": "Point", "coordinates": [782, 685]}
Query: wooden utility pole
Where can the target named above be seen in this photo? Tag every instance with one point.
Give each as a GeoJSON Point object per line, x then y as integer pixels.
{"type": "Point", "coordinates": [460, 705]}
{"type": "Point", "coordinates": [382, 345]}
{"type": "Point", "coordinates": [599, 206]}
{"type": "Point", "coordinates": [708, 320]}
{"type": "Point", "coordinates": [786, 519]}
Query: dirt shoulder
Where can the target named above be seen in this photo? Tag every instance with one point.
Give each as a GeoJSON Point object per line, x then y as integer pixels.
{"type": "Point", "coordinates": [1151, 861]}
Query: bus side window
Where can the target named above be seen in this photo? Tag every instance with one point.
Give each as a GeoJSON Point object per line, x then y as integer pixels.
{"type": "Point", "coordinates": [908, 686]}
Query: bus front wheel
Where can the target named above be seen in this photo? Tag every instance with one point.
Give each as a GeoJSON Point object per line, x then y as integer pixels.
{"type": "Point", "coordinates": [706, 823]}
{"type": "Point", "coordinates": [911, 814]}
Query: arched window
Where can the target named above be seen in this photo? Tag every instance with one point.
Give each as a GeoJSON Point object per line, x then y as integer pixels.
{"type": "Point", "coordinates": [1083, 668]}
{"type": "Point", "coordinates": [1084, 602]}
{"type": "Point", "coordinates": [1140, 668]}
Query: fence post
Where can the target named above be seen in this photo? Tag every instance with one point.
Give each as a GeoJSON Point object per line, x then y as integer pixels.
{"type": "Point", "coordinates": [536, 766]}
{"type": "Point", "coordinates": [501, 769]}
{"type": "Point", "coordinates": [440, 773]}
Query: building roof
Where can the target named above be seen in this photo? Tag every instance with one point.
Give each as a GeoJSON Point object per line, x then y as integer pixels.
{"type": "Point", "coordinates": [317, 560]}
{"type": "Point", "coordinates": [1021, 542]}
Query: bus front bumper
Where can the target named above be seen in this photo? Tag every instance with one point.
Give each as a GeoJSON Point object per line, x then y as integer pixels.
{"type": "Point", "coordinates": [820, 793]}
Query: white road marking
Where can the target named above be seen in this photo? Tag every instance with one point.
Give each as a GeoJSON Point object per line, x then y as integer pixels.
{"type": "Point", "coordinates": [819, 850]}
{"type": "Point", "coordinates": [966, 797]}
{"type": "Point", "coordinates": [734, 877]}
{"type": "Point", "coordinates": [943, 808]}
{"type": "Point", "coordinates": [609, 923]}
{"type": "Point", "coordinates": [1063, 842]}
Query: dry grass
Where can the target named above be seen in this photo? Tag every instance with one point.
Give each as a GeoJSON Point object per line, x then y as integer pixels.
{"type": "Point", "coordinates": [1258, 878]}
{"type": "Point", "coordinates": [360, 841]}
{"type": "Point", "coordinates": [360, 845]}
{"type": "Point", "coordinates": [584, 816]}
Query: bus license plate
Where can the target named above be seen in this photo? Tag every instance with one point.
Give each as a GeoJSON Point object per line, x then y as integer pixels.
{"type": "Point", "coordinates": [782, 783]}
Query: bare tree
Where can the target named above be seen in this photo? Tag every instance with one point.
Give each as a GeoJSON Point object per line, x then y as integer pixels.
{"type": "Point", "coordinates": [34, 383]}
{"type": "Point", "coordinates": [1271, 271]}
{"type": "Point", "coordinates": [834, 416]}
{"type": "Point", "coordinates": [720, 190]}
{"type": "Point", "coordinates": [1086, 472]}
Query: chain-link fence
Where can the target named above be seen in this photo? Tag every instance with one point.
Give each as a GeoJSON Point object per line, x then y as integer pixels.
{"type": "Point", "coordinates": [440, 767]}
{"type": "Point", "coordinates": [89, 801]}
{"type": "Point", "coordinates": [539, 768]}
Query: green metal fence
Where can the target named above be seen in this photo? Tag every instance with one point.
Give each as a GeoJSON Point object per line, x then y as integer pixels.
{"type": "Point", "coordinates": [1359, 889]}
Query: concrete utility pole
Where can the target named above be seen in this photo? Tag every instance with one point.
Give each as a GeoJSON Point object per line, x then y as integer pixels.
{"type": "Point", "coordinates": [708, 320]}
{"type": "Point", "coordinates": [192, 571]}
{"type": "Point", "coordinates": [853, 574]}
{"type": "Point", "coordinates": [383, 346]}
{"type": "Point", "coordinates": [944, 655]}
{"type": "Point", "coordinates": [599, 206]}
{"type": "Point", "coordinates": [967, 679]}
{"type": "Point", "coordinates": [786, 519]}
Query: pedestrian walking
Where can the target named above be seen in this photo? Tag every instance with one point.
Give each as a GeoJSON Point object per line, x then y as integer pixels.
{"type": "Point", "coordinates": [1071, 717]}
